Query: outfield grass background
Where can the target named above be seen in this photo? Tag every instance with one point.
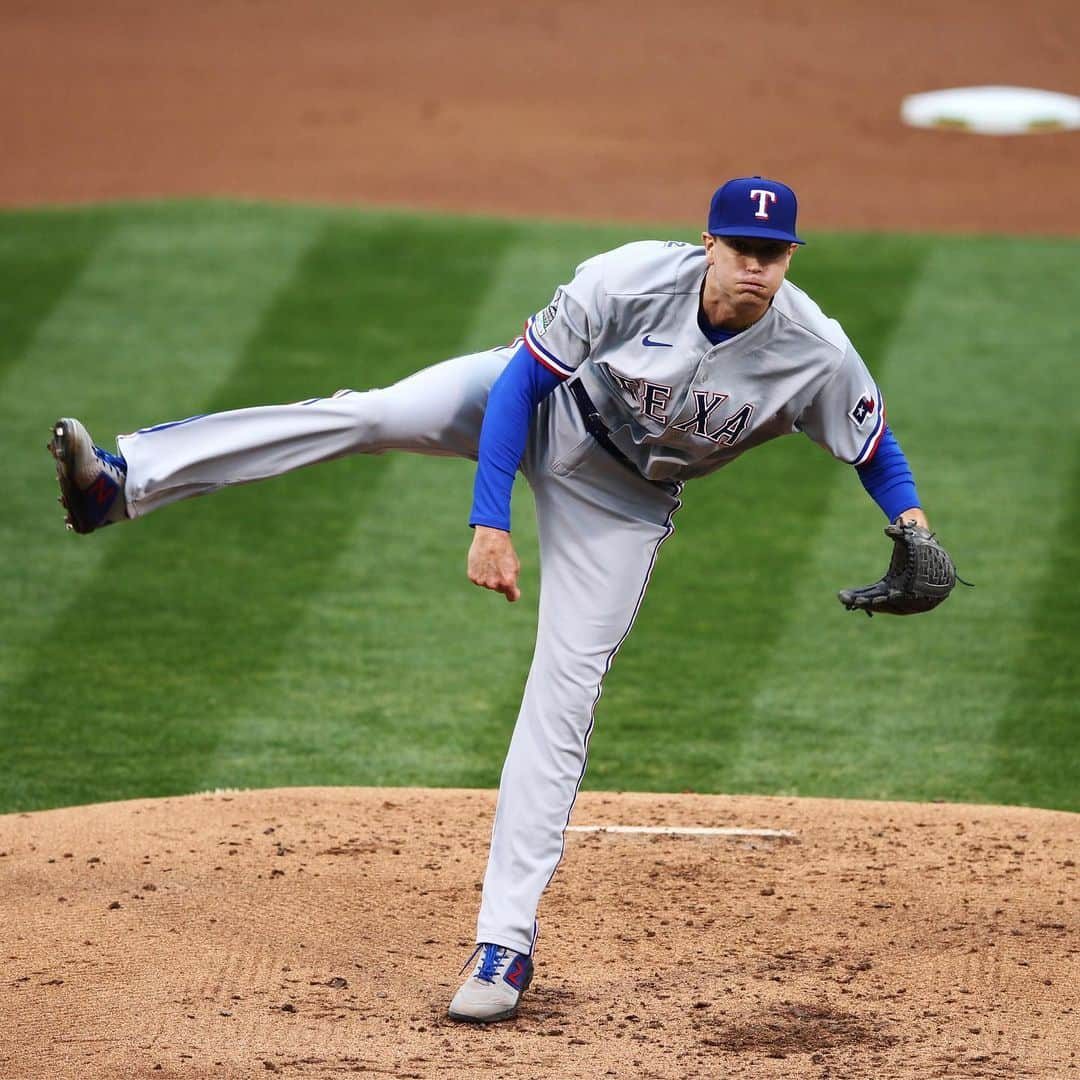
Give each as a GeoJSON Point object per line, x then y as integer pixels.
{"type": "Point", "coordinates": [319, 629]}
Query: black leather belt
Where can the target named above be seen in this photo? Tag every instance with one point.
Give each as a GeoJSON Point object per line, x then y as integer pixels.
{"type": "Point", "coordinates": [596, 427]}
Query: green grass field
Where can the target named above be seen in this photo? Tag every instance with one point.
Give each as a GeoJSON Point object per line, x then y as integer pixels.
{"type": "Point", "coordinates": [319, 629]}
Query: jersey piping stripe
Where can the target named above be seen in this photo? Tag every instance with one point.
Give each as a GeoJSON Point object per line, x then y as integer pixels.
{"type": "Point", "coordinates": [544, 364]}
{"type": "Point", "coordinates": [512, 344]}
{"type": "Point", "coordinates": [869, 448]}
{"type": "Point", "coordinates": [170, 424]}
{"type": "Point", "coordinates": [548, 359]}
{"type": "Point", "coordinates": [669, 528]}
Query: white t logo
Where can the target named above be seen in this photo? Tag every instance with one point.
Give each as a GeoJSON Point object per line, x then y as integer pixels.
{"type": "Point", "coordinates": [764, 198]}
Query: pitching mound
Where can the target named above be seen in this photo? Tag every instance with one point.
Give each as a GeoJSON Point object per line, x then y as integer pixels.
{"type": "Point", "coordinates": [316, 932]}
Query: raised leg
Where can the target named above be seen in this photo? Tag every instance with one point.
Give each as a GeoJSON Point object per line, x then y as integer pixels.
{"type": "Point", "coordinates": [435, 411]}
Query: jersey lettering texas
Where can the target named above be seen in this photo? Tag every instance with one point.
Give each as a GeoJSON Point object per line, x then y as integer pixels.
{"type": "Point", "coordinates": [707, 402]}
{"type": "Point", "coordinates": [730, 427]}
{"type": "Point", "coordinates": [652, 400]}
{"type": "Point", "coordinates": [651, 397]}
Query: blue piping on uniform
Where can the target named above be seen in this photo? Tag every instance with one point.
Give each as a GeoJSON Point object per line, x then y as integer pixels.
{"type": "Point", "coordinates": [171, 424]}
{"type": "Point", "coordinates": [534, 344]}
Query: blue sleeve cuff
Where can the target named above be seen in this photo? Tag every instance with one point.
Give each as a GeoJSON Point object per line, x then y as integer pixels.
{"type": "Point", "coordinates": [511, 404]}
{"type": "Point", "coordinates": [887, 477]}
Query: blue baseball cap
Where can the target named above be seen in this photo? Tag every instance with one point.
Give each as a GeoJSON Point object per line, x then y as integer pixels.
{"type": "Point", "coordinates": [754, 206]}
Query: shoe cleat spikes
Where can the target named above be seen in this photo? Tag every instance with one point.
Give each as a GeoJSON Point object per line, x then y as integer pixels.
{"type": "Point", "coordinates": [91, 479]}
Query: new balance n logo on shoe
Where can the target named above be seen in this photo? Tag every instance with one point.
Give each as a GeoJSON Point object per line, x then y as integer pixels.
{"type": "Point", "coordinates": [515, 974]}
{"type": "Point", "coordinates": [102, 490]}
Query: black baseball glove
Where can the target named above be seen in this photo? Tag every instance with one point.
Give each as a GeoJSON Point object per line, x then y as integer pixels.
{"type": "Point", "coordinates": [921, 574]}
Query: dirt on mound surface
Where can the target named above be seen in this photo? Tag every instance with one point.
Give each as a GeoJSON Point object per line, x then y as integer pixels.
{"type": "Point", "coordinates": [319, 932]}
{"type": "Point", "coordinates": [601, 110]}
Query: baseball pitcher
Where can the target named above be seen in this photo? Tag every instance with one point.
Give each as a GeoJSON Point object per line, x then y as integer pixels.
{"type": "Point", "coordinates": [657, 363]}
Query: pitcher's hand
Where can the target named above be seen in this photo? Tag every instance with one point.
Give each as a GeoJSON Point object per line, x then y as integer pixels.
{"type": "Point", "coordinates": [493, 563]}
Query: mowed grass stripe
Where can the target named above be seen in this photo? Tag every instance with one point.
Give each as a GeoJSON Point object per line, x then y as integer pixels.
{"type": "Point", "coordinates": [420, 672]}
{"type": "Point", "coordinates": [999, 358]}
{"type": "Point", "coordinates": [158, 312]}
{"type": "Point", "coordinates": [159, 316]}
{"type": "Point", "coordinates": [199, 600]}
{"type": "Point", "coordinates": [41, 257]}
{"type": "Point", "coordinates": [679, 699]}
{"type": "Point", "coordinates": [1037, 740]}
{"type": "Point", "coordinates": [915, 706]}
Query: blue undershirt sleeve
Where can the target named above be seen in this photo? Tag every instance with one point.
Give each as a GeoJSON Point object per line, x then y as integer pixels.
{"type": "Point", "coordinates": [887, 477]}
{"type": "Point", "coordinates": [511, 404]}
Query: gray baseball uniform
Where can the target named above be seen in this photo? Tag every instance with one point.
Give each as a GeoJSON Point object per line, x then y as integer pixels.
{"type": "Point", "coordinates": [675, 406]}
{"type": "Point", "coordinates": [679, 407]}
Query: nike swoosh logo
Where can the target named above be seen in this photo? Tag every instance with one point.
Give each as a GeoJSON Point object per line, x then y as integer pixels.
{"type": "Point", "coordinates": [646, 340]}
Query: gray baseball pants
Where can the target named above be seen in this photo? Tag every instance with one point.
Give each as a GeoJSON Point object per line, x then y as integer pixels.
{"type": "Point", "coordinates": [600, 526]}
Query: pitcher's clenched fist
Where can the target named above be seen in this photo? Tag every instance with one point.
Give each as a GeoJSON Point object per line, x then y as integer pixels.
{"type": "Point", "coordinates": [493, 563]}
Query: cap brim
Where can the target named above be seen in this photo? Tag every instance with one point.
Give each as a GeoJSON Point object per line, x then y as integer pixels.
{"type": "Point", "coordinates": [756, 231]}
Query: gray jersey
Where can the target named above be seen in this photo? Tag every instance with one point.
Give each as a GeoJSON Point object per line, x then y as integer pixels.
{"type": "Point", "coordinates": [676, 404]}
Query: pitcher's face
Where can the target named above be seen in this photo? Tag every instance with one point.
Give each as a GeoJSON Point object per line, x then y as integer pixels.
{"type": "Point", "coordinates": [746, 271]}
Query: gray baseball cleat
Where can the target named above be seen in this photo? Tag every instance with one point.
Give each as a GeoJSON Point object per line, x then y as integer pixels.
{"type": "Point", "coordinates": [493, 990]}
{"type": "Point", "coordinates": [91, 479]}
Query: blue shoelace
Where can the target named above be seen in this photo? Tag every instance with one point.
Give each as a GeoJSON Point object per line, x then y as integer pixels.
{"type": "Point", "coordinates": [493, 956]}
{"type": "Point", "coordinates": [114, 460]}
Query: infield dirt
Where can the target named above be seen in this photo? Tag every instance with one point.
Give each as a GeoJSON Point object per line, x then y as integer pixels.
{"type": "Point", "coordinates": [598, 110]}
{"type": "Point", "coordinates": [320, 932]}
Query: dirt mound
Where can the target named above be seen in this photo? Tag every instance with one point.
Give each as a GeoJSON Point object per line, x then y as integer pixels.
{"type": "Point", "coordinates": [315, 932]}
{"type": "Point", "coordinates": [600, 110]}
